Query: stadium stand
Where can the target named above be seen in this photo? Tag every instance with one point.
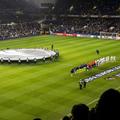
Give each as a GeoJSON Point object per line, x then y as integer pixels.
{"type": "Point", "coordinates": [86, 17]}
{"type": "Point", "coordinates": [88, 7]}
{"type": "Point", "coordinates": [80, 17]}
{"type": "Point", "coordinates": [92, 26]}
{"type": "Point", "coordinates": [14, 30]}
{"type": "Point", "coordinates": [87, 25]}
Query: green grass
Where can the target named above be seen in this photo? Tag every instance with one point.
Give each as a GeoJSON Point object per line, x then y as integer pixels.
{"type": "Point", "coordinates": [47, 90]}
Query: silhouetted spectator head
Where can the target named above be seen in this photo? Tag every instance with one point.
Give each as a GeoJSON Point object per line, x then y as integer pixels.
{"type": "Point", "coordinates": [80, 112]}
{"type": "Point", "coordinates": [37, 119]}
{"type": "Point", "coordinates": [92, 114]}
{"type": "Point", "coordinates": [66, 118]}
{"type": "Point", "coordinates": [108, 106]}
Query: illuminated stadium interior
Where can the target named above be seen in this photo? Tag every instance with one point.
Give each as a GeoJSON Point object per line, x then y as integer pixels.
{"type": "Point", "coordinates": [59, 59]}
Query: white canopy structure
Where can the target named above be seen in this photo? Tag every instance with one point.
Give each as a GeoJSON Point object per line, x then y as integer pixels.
{"type": "Point", "coordinates": [25, 54]}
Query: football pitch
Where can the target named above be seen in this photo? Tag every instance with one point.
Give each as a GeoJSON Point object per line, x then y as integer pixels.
{"type": "Point", "coordinates": [47, 90]}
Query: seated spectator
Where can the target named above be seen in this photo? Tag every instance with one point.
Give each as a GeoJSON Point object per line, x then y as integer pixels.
{"type": "Point", "coordinates": [37, 119]}
{"type": "Point", "coordinates": [66, 118]}
{"type": "Point", "coordinates": [92, 114]}
{"type": "Point", "coordinates": [80, 112]}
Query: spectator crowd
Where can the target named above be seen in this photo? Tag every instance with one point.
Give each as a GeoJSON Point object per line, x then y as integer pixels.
{"type": "Point", "coordinates": [13, 30]}
{"type": "Point", "coordinates": [85, 25]}
{"type": "Point", "coordinates": [88, 7]}
{"type": "Point", "coordinates": [23, 13]}
{"type": "Point", "coordinates": [71, 25]}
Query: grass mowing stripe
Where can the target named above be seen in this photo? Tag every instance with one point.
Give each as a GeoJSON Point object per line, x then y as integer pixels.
{"type": "Point", "coordinates": [32, 90]}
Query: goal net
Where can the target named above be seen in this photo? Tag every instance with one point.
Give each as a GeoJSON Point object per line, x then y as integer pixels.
{"type": "Point", "coordinates": [109, 35]}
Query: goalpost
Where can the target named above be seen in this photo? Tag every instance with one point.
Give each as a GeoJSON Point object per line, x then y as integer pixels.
{"type": "Point", "coordinates": [109, 35]}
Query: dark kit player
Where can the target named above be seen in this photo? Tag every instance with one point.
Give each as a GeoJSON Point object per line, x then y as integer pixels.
{"type": "Point", "coordinates": [97, 52]}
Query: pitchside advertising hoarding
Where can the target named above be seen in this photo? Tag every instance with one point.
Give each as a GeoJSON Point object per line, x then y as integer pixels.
{"type": "Point", "coordinates": [84, 35]}
{"type": "Point", "coordinates": [102, 74]}
{"type": "Point", "coordinates": [65, 34]}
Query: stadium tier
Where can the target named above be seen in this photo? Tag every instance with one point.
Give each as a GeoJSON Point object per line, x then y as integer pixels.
{"type": "Point", "coordinates": [65, 25]}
